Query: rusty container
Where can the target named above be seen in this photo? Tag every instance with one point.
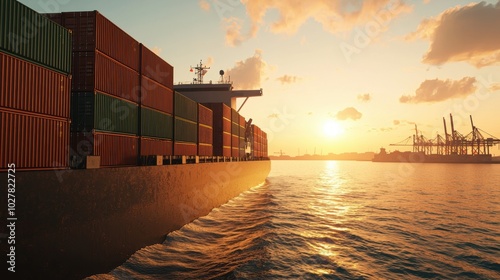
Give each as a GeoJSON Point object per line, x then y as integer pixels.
{"type": "Point", "coordinates": [92, 31]}
{"type": "Point", "coordinates": [155, 146]}
{"type": "Point", "coordinates": [156, 95]}
{"type": "Point", "coordinates": [155, 68]}
{"type": "Point", "coordinates": [221, 128]}
{"type": "Point", "coordinates": [114, 149]}
{"type": "Point", "coordinates": [94, 71]}
{"type": "Point", "coordinates": [29, 87]}
{"type": "Point", "coordinates": [33, 141]}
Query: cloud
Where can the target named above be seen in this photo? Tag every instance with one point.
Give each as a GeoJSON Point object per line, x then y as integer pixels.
{"type": "Point", "coordinates": [286, 79]}
{"type": "Point", "coordinates": [334, 16]}
{"type": "Point", "coordinates": [233, 31]}
{"type": "Point", "coordinates": [364, 97]}
{"type": "Point", "coordinates": [157, 50]}
{"type": "Point", "coordinates": [495, 87]}
{"type": "Point", "coordinates": [204, 5]}
{"type": "Point", "coordinates": [349, 113]}
{"type": "Point", "coordinates": [247, 74]}
{"type": "Point", "coordinates": [398, 122]}
{"type": "Point", "coordinates": [470, 33]}
{"type": "Point", "coordinates": [439, 90]}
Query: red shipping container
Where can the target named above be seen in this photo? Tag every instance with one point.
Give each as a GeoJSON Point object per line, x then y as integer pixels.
{"type": "Point", "coordinates": [33, 141]}
{"type": "Point", "coordinates": [264, 144]}
{"type": "Point", "coordinates": [205, 115]}
{"type": "Point", "coordinates": [221, 128]}
{"type": "Point", "coordinates": [114, 149]}
{"type": "Point", "coordinates": [185, 149]}
{"type": "Point", "coordinates": [91, 31]}
{"type": "Point", "coordinates": [205, 149]}
{"type": "Point", "coordinates": [94, 71]}
{"type": "Point", "coordinates": [235, 145]}
{"type": "Point", "coordinates": [28, 87]}
{"type": "Point", "coordinates": [156, 95]}
{"type": "Point", "coordinates": [242, 121]}
{"type": "Point", "coordinates": [257, 141]}
{"type": "Point", "coordinates": [152, 146]}
{"type": "Point", "coordinates": [205, 134]}
{"type": "Point", "coordinates": [154, 67]}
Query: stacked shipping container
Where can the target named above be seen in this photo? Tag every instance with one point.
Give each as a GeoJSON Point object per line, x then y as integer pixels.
{"type": "Point", "coordinates": [35, 62]}
{"type": "Point", "coordinates": [259, 143]}
{"type": "Point", "coordinates": [242, 124]}
{"type": "Point", "coordinates": [122, 99]}
{"type": "Point", "coordinates": [157, 104]}
{"type": "Point", "coordinates": [221, 139]}
{"type": "Point", "coordinates": [205, 131]}
{"type": "Point", "coordinates": [105, 89]}
{"type": "Point", "coordinates": [185, 126]}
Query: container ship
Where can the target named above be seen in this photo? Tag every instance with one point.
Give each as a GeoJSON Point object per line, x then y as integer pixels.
{"type": "Point", "coordinates": [100, 152]}
{"type": "Point", "coordinates": [452, 148]}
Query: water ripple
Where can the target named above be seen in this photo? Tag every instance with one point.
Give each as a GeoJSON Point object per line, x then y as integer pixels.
{"type": "Point", "coordinates": [340, 220]}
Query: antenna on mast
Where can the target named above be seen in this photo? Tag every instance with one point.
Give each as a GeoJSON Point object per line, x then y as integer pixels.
{"type": "Point", "coordinates": [200, 72]}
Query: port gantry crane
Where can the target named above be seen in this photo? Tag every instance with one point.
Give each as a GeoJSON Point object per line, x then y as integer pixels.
{"type": "Point", "coordinates": [454, 143]}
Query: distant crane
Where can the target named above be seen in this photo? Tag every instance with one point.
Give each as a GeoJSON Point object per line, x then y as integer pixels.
{"type": "Point", "coordinates": [452, 143]}
{"type": "Point", "coordinates": [280, 153]}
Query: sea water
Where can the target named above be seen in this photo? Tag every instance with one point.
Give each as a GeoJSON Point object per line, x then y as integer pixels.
{"type": "Point", "coordinates": [341, 220]}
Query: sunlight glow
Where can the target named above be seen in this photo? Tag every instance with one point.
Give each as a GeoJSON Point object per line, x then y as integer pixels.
{"type": "Point", "coordinates": [332, 129]}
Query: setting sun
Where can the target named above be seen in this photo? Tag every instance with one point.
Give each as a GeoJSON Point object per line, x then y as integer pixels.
{"type": "Point", "coordinates": [332, 129]}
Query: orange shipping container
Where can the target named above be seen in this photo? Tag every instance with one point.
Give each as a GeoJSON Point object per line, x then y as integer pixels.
{"type": "Point", "coordinates": [185, 149]}
{"type": "Point", "coordinates": [33, 141]}
{"type": "Point", "coordinates": [91, 31]}
{"type": "Point", "coordinates": [151, 146]}
{"type": "Point", "coordinates": [205, 115]}
{"type": "Point", "coordinates": [156, 96]}
{"type": "Point", "coordinates": [94, 71]}
{"type": "Point", "coordinates": [28, 87]}
{"type": "Point", "coordinates": [205, 149]}
{"type": "Point", "coordinates": [155, 68]}
{"type": "Point", "coordinates": [221, 128]}
{"type": "Point", "coordinates": [114, 149]}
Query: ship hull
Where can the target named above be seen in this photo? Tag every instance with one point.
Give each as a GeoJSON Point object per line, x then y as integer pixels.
{"type": "Point", "coordinates": [75, 223]}
{"type": "Point", "coordinates": [418, 157]}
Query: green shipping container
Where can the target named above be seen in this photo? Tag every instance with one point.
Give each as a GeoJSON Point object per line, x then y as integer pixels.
{"type": "Point", "coordinates": [185, 108]}
{"type": "Point", "coordinates": [185, 130]}
{"type": "Point", "coordinates": [156, 124]}
{"type": "Point", "coordinates": [32, 36]}
{"type": "Point", "coordinates": [101, 112]}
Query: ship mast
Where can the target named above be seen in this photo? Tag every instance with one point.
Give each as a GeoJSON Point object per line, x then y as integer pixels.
{"type": "Point", "coordinates": [200, 72]}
